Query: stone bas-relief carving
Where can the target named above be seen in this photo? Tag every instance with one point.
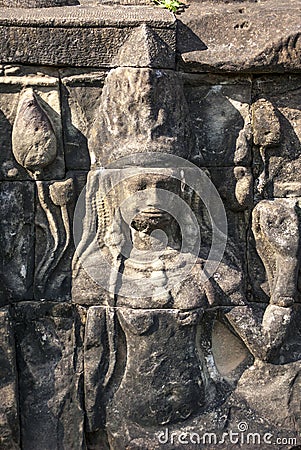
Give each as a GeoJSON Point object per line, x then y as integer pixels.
{"type": "Point", "coordinates": [276, 230]}
{"type": "Point", "coordinates": [276, 118]}
{"type": "Point", "coordinates": [225, 141]}
{"type": "Point", "coordinates": [154, 104]}
{"type": "Point", "coordinates": [30, 121]}
{"type": "Point", "coordinates": [135, 383]}
{"type": "Point", "coordinates": [55, 203]}
{"type": "Point", "coordinates": [81, 93]}
{"type": "Point", "coordinates": [93, 358]}
{"type": "Point", "coordinates": [34, 142]}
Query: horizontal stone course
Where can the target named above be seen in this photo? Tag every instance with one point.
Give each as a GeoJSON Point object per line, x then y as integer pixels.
{"type": "Point", "coordinates": [260, 37]}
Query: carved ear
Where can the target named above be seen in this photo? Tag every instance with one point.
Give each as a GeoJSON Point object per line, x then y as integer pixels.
{"type": "Point", "coordinates": [34, 142]}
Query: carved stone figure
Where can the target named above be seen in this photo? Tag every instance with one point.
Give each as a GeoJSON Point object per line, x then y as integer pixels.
{"type": "Point", "coordinates": [138, 261]}
{"type": "Point", "coordinates": [140, 308]}
{"type": "Point", "coordinates": [159, 326]}
{"type": "Point", "coordinates": [141, 382]}
{"type": "Point", "coordinates": [277, 236]}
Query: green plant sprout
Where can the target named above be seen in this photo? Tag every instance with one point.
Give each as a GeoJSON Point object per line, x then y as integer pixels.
{"type": "Point", "coordinates": [171, 5]}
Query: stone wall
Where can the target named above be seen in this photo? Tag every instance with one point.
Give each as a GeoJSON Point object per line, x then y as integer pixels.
{"type": "Point", "coordinates": [150, 199]}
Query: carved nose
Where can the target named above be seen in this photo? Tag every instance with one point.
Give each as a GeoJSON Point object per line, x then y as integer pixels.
{"type": "Point", "coordinates": [153, 199]}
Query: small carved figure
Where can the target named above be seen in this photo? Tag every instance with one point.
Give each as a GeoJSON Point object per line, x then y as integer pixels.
{"type": "Point", "coordinates": [276, 232]}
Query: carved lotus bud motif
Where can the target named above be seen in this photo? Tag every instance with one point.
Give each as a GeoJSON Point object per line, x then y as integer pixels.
{"type": "Point", "coordinates": [34, 143]}
{"type": "Point", "coordinates": [61, 192]}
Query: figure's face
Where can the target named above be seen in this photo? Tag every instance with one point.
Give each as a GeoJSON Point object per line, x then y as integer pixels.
{"type": "Point", "coordinates": [150, 197]}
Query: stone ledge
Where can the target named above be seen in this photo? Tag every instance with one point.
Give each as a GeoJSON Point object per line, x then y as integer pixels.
{"type": "Point", "coordinates": [87, 17]}
{"type": "Point", "coordinates": [88, 37]}
{"type": "Point", "coordinates": [240, 37]}
{"type": "Point", "coordinates": [233, 37]}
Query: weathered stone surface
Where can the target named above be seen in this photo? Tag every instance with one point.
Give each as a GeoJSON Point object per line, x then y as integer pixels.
{"type": "Point", "coordinates": [163, 345]}
{"type": "Point", "coordinates": [16, 240]}
{"type": "Point", "coordinates": [8, 165]}
{"type": "Point", "coordinates": [81, 97]}
{"type": "Point", "coordinates": [201, 35]}
{"type": "Point", "coordinates": [99, 16]}
{"type": "Point", "coordinates": [220, 119]}
{"type": "Point", "coordinates": [219, 429]}
{"type": "Point", "coordinates": [98, 356]}
{"type": "Point", "coordinates": [258, 288]}
{"type": "Point", "coordinates": [265, 123]}
{"type": "Point", "coordinates": [54, 248]}
{"type": "Point", "coordinates": [9, 418]}
{"type": "Point", "coordinates": [272, 333]}
{"type": "Point", "coordinates": [251, 37]}
{"type": "Point", "coordinates": [139, 108]}
{"type": "Point", "coordinates": [34, 142]}
{"type": "Point", "coordinates": [133, 349]}
{"type": "Point", "coordinates": [150, 338]}
{"type": "Point", "coordinates": [277, 387]}
{"type": "Point", "coordinates": [276, 227]}
{"type": "Point", "coordinates": [80, 37]}
{"type": "Point", "coordinates": [269, 388]}
{"type": "Point", "coordinates": [235, 186]}
{"type": "Point", "coordinates": [225, 359]}
{"type": "Point", "coordinates": [30, 98]}
{"type": "Point", "coordinates": [277, 134]}
{"type": "Point", "coordinates": [49, 351]}
{"type": "Point", "coordinates": [229, 352]}
{"type": "Point", "coordinates": [118, 2]}
{"type": "Point", "coordinates": [36, 3]}
{"type": "Point", "coordinates": [110, 240]}
{"type": "Point", "coordinates": [145, 48]}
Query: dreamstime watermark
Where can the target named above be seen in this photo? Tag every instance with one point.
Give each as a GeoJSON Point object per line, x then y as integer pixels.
{"type": "Point", "coordinates": [241, 436]}
{"type": "Point", "coordinates": [150, 189]}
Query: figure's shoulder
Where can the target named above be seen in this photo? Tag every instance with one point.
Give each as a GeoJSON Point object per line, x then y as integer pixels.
{"type": "Point", "coordinates": [212, 283]}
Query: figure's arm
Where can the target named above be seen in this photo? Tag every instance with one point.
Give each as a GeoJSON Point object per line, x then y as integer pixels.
{"type": "Point", "coordinates": [262, 328]}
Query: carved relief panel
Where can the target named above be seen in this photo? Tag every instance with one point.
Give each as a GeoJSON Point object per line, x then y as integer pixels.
{"type": "Point", "coordinates": [31, 121]}
{"type": "Point", "coordinates": [151, 245]}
